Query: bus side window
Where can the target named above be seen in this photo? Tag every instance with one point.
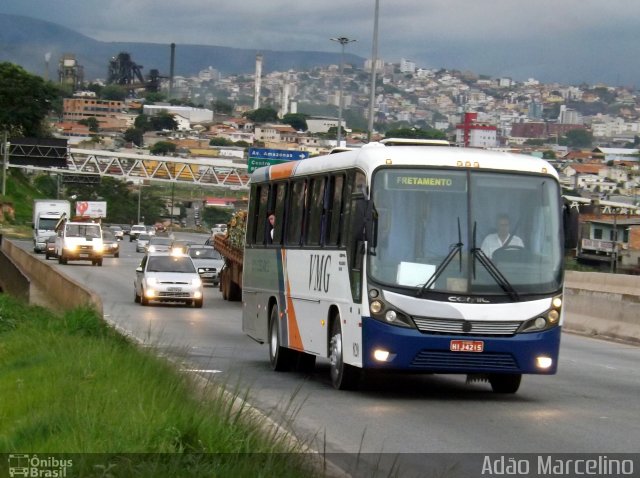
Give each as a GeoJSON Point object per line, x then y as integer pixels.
{"type": "Point", "coordinates": [335, 212]}
{"type": "Point", "coordinates": [261, 223]}
{"type": "Point", "coordinates": [315, 211]}
{"type": "Point", "coordinates": [280, 194]}
{"type": "Point", "coordinates": [295, 214]}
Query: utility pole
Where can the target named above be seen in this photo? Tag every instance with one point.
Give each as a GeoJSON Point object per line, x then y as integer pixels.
{"type": "Point", "coordinates": [374, 60]}
{"type": "Point", "coordinates": [343, 42]}
{"type": "Point", "coordinates": [5, 162]}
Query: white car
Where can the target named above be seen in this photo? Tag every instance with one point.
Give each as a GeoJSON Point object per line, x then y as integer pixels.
{"type": "Point", "coordinates": [136, 231]}
{"type": "Point", "coordinates": [166, 277]}
{"type": "Point", "coordinates": [208, 261]}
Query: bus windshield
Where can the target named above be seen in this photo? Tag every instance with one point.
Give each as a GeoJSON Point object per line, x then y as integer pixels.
{"type": "Point", "coordinates": [466, 232]}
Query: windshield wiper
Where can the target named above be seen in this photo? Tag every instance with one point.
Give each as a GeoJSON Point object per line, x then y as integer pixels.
{"type": "Point", "coordinates": [455, 249]}
{"type": "Point", "coordinates": [492, 269]}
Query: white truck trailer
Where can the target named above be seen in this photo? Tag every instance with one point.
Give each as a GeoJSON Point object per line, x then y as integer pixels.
{"type": "Point", "coordinates": [46, 214]}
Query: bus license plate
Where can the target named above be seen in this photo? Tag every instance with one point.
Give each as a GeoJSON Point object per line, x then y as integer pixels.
{"type": "Point", "coordinates": [466, 346]}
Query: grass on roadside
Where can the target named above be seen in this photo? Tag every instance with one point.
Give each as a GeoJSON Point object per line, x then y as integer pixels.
{"type": "Point", "coordinates": [71, 384]}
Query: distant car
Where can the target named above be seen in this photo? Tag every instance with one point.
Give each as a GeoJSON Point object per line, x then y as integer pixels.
{"type": "Point", "coordinates": [126, 229]}
{"type": "Point", "coordinates": [208, 261]}
{"type": "Point", "coordinates": [117, 232]}
{"type": "Point", "coordinates": [110, 245]}
{"type": "Point", "coordinates": [167, 277]}
{"type": "Point", "coordinates": [159, 244]}
{"type": "Point", "coordinates": [50, 247]}
{"type": "Point", "coordinates": [180, 247]}
{"type": "Point", "coordinates": [136, 231]}
{"type": "Point", "coordinates": [142, 241]}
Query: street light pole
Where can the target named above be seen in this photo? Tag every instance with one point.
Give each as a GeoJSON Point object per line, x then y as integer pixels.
{"type": "Point", "coordinates": [343, 42]}
{"type": "Point", "coordinates": [139, 198]}
{"type": "Point", "coordinates": [614, 261]}
{"type": "Point", "coordinates": [374, 60]}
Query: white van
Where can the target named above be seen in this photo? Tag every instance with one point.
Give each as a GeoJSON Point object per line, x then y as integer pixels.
{"type": "Point", "coordinates": [79, 241]}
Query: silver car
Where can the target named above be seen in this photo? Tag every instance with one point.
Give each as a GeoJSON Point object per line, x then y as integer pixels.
{"type": "Point", "coordinates": [141, 242]}
{"type": "Point", "coordinates": [166, 277]}
{"type": "Point", "coordinates": [208, 261]}
{"type": "Point", "coordinates": [159, 244]}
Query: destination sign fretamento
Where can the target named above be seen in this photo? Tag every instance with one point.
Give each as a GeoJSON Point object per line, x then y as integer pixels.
{"type": "Point", "coordinates": [426, 180]}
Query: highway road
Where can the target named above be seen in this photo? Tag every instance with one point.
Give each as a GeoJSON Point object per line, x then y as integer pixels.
{"type": "Point", "coordinates": [591, 406]}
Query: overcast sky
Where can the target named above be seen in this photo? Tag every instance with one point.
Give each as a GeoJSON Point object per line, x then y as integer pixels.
{"type": "Point", "coordinates": [569, 41]}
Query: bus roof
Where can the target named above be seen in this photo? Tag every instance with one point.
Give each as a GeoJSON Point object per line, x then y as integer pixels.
{"type": "Point", "coordinates": [377, 154]}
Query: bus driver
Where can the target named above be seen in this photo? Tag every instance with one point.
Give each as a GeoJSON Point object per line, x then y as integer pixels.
{"type": "Point", "coordinates": [501, 238]}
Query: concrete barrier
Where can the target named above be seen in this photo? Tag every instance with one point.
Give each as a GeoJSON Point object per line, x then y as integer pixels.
{"type": "Point", "coordinates": [12, 280]}
{"type": "Point", "coordinates": [56, 289]}
{"type": "Point", "coordinates": [601, 304]}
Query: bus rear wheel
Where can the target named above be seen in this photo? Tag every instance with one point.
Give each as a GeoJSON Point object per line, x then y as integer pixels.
{"type": "Point", "coordinates": [505, 382]}
{"type": "Point", "coordinates": [281, 358]}
{"type": "Point", "coordinates": [343, 376]}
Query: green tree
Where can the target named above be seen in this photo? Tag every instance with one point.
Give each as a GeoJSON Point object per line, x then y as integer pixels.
{"type": "Point", "coordinates": [152, 97]}
{"type": "Point", "coordinates": [142, 122]}
{"type": "Point", "coordinates": [162, 148]}
{"type": "Point", "coordinates": [47, 184]}
{"type": "Point", "coordinates": [91, 122]}
{"type": "Point", "coordinates": [218, 141]}
{"type": "Point", "coordinates": [296, 120]}
{"type": "Point", "coordinates": [114, 93]}
{"type": "Point", "coordinates": [134, 135]}
{"type": "Point", "coordinates": [534, 142]}
{"type": "Point", "coordinates": [163, 120]}
{"type": "Point", "coordinates": [579, 138]}
{"type": "Point", "coordinates": [25, 101]}
{"type": "Point", "coordinates": [548, 154]}
{"type": "Point", "coordinates": [220, 107]}
{"type": "Point", "coordinates": [262, 115]}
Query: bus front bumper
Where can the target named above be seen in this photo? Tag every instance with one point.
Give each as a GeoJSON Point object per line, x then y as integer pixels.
{"type": "Point", "coordinates": [414, 351]}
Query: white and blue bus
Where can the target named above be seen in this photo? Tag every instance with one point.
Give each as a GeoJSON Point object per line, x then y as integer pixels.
{"type": "Point", "coordinates": [378, 259]}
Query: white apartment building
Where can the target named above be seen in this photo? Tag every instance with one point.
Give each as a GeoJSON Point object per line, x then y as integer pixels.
{"type": "Point", "coordinates": [407, 66]}
{"type": "Point", "coordinates": [608, 127]}
{"type": "Point", "coordinates": [194, 115]}
{"type": "Point", "coordinates": [569, 116]}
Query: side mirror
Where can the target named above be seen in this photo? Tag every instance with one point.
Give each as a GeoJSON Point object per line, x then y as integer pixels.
{"type": "Point", "coordinates": [139, 269]}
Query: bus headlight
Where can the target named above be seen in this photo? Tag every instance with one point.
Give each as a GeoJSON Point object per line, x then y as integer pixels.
{"type": "Point", "coordinates": [375, 307]}
{"type": "Point", "coordinates": [547, 320]}
{"type": "Point", "coordinates": [389, 316]}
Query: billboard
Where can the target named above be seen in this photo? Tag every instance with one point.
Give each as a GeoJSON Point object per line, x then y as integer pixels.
{"type": "Point", "coordinates": [91, 209]}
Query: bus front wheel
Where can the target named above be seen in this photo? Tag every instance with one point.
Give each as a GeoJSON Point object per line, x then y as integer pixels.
{"type": "Point", "coordinates": [281, 358]}
{"type": "Point", "coordinates": [343, 376]}
{"type": "Point", "coordinates": [505, 382]}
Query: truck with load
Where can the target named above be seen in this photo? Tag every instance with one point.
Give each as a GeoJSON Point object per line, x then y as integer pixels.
{"type": "Point", "coordinates": [79, 239]}
{"type": "Point", "coordinates": [231, 246]}
{"type": "Point", "coordinates": [46, 214]}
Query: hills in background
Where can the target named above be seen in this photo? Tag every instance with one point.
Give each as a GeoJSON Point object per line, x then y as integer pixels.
{"type": "Point", "coordinates": [25, 41]}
